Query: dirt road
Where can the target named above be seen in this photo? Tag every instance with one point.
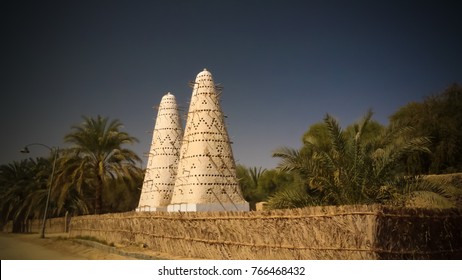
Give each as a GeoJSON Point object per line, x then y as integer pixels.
{"type": "Point", "coordinates": [53, 247]}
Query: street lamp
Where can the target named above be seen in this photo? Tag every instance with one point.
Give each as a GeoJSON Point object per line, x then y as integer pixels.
{"type": "Point", "coordinates": [55, 151]}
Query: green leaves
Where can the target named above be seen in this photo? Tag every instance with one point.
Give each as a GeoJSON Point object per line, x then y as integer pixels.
{"type": "Point", "coordinates": [97, 159]}
{"type": "Point", "coordinates": [439, 118]}
{"type": "Point", "coordinates": [97, 163]}
{"type": "Point", "coordinates": [23, 190]}
{"type": "Point", "coordinates": [349, 166]}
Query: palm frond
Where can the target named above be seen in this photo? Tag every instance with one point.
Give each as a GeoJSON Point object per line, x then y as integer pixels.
{"type": "Point", "coordinates": [289, 199]}
{"type": "Point", "coordinates": [337, 137]}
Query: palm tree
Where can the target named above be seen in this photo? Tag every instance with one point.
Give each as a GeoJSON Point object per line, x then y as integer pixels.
{"type": "Point", "coordinates": [23, 191]}
{"type": "Point", "coordinates": [355, 166]}
{"type": "Point", "coordinates": [95, 159]}
{"type": "Point", "coordinates": [249, 182]}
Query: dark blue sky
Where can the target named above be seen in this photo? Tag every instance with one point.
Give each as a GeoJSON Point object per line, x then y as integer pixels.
{"type": "Point", "coordinates": [283, 64]}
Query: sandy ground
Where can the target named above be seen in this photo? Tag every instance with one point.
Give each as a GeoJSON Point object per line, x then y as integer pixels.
{"type": "Point", "coordinates": [59, 247]}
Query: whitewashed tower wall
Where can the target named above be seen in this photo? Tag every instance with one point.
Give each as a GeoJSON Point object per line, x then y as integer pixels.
{"type": "Point", "coordinates": [206, 176]}
{"type": "Point", "coordinates": [163, 157]}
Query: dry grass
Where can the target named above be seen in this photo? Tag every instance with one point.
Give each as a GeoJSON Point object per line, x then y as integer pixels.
{"type": "Point", "coordinates": [346, 232]}
{"type": "Point", "coordinates": [406, 233]}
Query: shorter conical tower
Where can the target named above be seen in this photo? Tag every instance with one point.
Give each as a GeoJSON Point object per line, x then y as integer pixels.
{"type": "Point", "coordinates": [206, 178]}
{"type": "Point", "coordinates": [159, 179]}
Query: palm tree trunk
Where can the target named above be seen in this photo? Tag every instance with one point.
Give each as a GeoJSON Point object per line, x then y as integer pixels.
{"type": "Point", "coordinates": [99, 195]}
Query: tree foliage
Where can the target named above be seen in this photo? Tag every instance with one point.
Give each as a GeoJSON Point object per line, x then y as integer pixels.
{"type": "Point", "coordinates": [438, 117]}
{"type": "Point", "coordinates": [258, 184]}
{"type": "Point", "coordinates": [24, 188]}
{"type": "Point", "coordinates": [361, 164]}
{"type": "Point", "coordinates": [96, 174]}
{"type": "Point", "coordinates": [96, 160]}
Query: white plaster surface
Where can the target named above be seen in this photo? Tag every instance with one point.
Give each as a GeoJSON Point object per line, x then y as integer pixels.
{"type": "Point", "coordinates": [163, 157]}
{"type": "Point", "coordinates": [207, 207]}
{"type": "Point", "coordinates": [206, 177]}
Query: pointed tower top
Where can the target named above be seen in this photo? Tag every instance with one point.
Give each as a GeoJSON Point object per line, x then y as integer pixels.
{"type": "Point", "coordinates": [204, 74]}
{"type": "Point", "coordinates": [168, 95]}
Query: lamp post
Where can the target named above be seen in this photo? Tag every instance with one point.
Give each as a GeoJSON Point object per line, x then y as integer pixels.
{"type": "Point", "coordinates": [55, 152]}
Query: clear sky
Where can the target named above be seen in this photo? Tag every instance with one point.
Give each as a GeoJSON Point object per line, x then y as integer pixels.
{"type": "Point", "coordinates": [283, 64]}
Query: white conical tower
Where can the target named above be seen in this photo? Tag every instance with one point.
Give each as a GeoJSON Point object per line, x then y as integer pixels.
{"type": "Point", "coordinates": [206, 178]}
{"type": "Point", "coordinates": [159, 179]}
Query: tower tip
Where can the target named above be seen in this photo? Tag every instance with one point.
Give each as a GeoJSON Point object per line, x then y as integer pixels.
{"type": "Point", "coordinates": [167, 96]}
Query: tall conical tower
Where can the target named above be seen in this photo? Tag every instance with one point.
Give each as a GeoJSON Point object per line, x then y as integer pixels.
{"type": "Point", "coordinates": [159, 179]}
{"type": "Point", "coordinates": [206, 178]}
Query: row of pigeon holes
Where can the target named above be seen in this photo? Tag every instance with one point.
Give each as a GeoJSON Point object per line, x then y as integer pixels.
{"type": "Point", "coordinates": [206, 86]}
{"type": "Point", "coordinates": [203, 110]}
{"type": "Point", "coordinates": [210, 140]}
{"type": "Point", "coordinates": [151, 167]}
{"type": "Point", "coordinates": [207, 156]}
{"type": "Point", "coordinates": [192, 134]}
{"type": "Point", "coordinates": [182, 183]}
{"type": "Point", "coordinates": [204, 81]}
{"type": "Point", "coordinates": [204, 77]}
{"type": "Point", "coordinates": [172, 148]}
{"type": "Point", "coordinates": [210, 175]}
{"type": "Point", "coordinates": [210, 190]}
{"type": "Point", "coordinates": [168, 128]}
{"type": "Point", "coordinates": [171, 166]}
{"type": "Point", "coordinates": [220, 135]}
{"type": "Point", "coordinates": [209, 93]}
{"type": "Point", "coordinates": [168, 106]}
{"type": "Point", "coordinates": [167, 154]}
{"type": "Point", "coordinates": [167, 114]}
{"type": "Point", "coordinates": [223, 184]}
{"type": "Point", "coordinates": [165, 148]}
{"type": "Point", "coordinates": [161, 184]}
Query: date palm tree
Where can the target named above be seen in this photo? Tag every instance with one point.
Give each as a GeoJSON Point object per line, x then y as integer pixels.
{"type": "Point", "coordinates": [353, 167]}
{"type": "Point", "coordinates": [95, 159]}
{"type": "Point", "coordinates": [23, 191]}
